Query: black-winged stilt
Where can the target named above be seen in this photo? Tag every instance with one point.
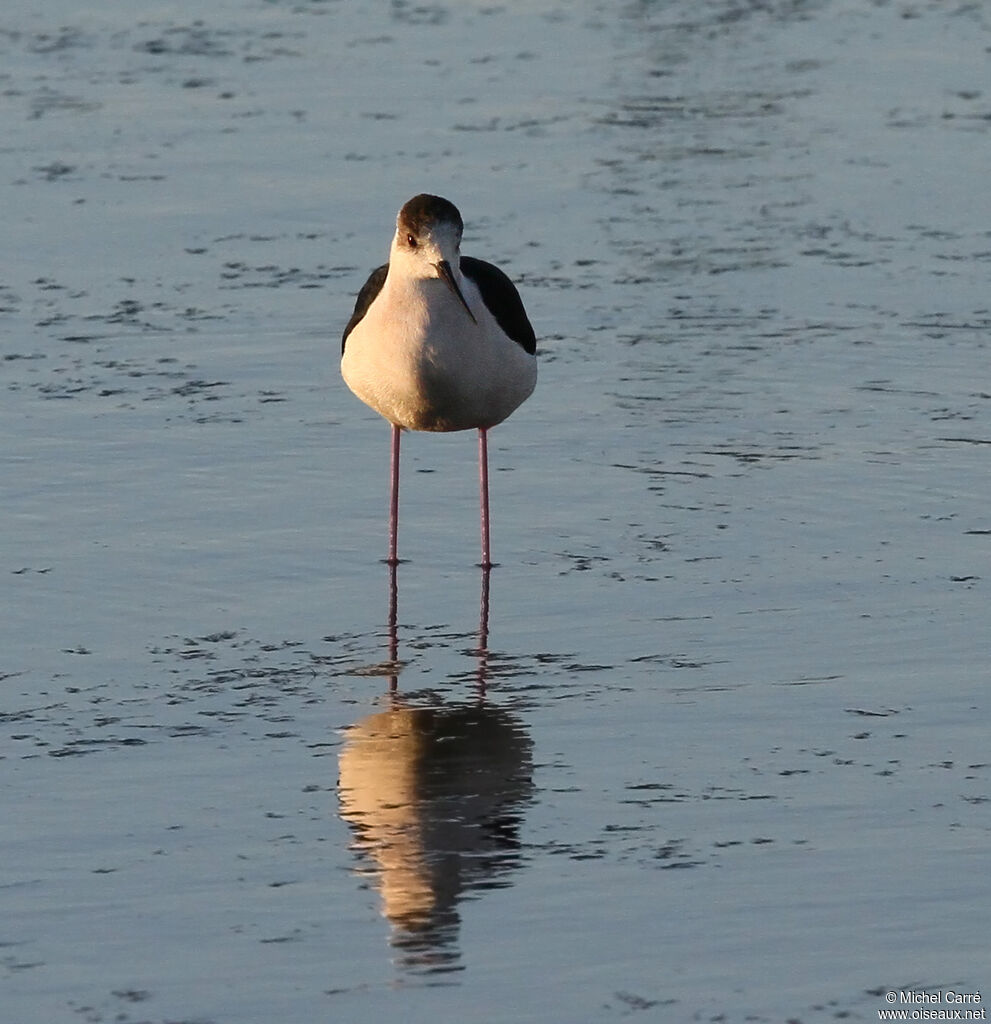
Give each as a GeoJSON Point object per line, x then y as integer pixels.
{"type": "Point", "coordinates": [438, 341]}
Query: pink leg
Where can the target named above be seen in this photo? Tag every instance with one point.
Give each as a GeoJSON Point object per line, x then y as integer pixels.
{"type": "Point", "coordinates": [483, 487]}
{"type": "Point", "coordinates": [393, 558]}
{"type": "Point", "coordinates": [393, 626]}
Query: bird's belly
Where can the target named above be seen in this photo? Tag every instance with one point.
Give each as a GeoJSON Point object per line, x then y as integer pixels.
{"type": "Point", "coordinates": [438, 379]}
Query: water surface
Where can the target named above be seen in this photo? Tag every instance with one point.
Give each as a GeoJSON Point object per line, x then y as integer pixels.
{"type": "Point", "coordinates": [711, 742]}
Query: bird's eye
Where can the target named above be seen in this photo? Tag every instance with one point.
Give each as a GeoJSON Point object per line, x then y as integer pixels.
{"type": "Point", "coordinates": [411, 241]}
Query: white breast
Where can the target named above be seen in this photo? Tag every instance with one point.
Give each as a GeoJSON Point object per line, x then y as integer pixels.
{"type": "Point", "coordinates": [419, 361]}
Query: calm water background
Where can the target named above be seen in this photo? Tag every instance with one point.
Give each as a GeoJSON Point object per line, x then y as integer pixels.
{"type": "Point", "coordinates": [731, 759]}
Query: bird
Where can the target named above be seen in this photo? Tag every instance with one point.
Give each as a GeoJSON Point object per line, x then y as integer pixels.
{"type": "Point", "coordinates": [438, 342]}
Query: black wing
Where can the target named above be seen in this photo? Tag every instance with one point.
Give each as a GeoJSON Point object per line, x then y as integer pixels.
{"type": "Point", "coordinates": [502, 298]}
{"type": "Point", "coordinates": [366, 297]}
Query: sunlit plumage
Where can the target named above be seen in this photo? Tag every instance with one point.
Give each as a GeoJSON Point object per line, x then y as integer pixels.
{"type": "Point", "coordinates": [438, 341]}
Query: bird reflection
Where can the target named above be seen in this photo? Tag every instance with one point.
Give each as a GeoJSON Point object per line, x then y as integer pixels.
{"type": "Point", "coordinates": [434, 797]}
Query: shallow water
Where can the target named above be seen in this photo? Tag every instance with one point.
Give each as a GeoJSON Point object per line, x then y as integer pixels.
{"type": "Point", "coordinates": [713, 744]}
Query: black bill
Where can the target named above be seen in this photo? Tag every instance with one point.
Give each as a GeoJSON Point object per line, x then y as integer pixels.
{"type": "Point", "coordinates": [447, 276]}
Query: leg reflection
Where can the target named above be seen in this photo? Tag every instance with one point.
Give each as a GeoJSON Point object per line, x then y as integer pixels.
{"type": "Point", "coordinates": [434, 792]}
{"type": "Point", "coordinates": [483, 635]}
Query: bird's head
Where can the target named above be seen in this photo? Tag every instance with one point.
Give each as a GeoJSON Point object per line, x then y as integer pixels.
{"type": "Point", "coordinates": [427, 243]}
